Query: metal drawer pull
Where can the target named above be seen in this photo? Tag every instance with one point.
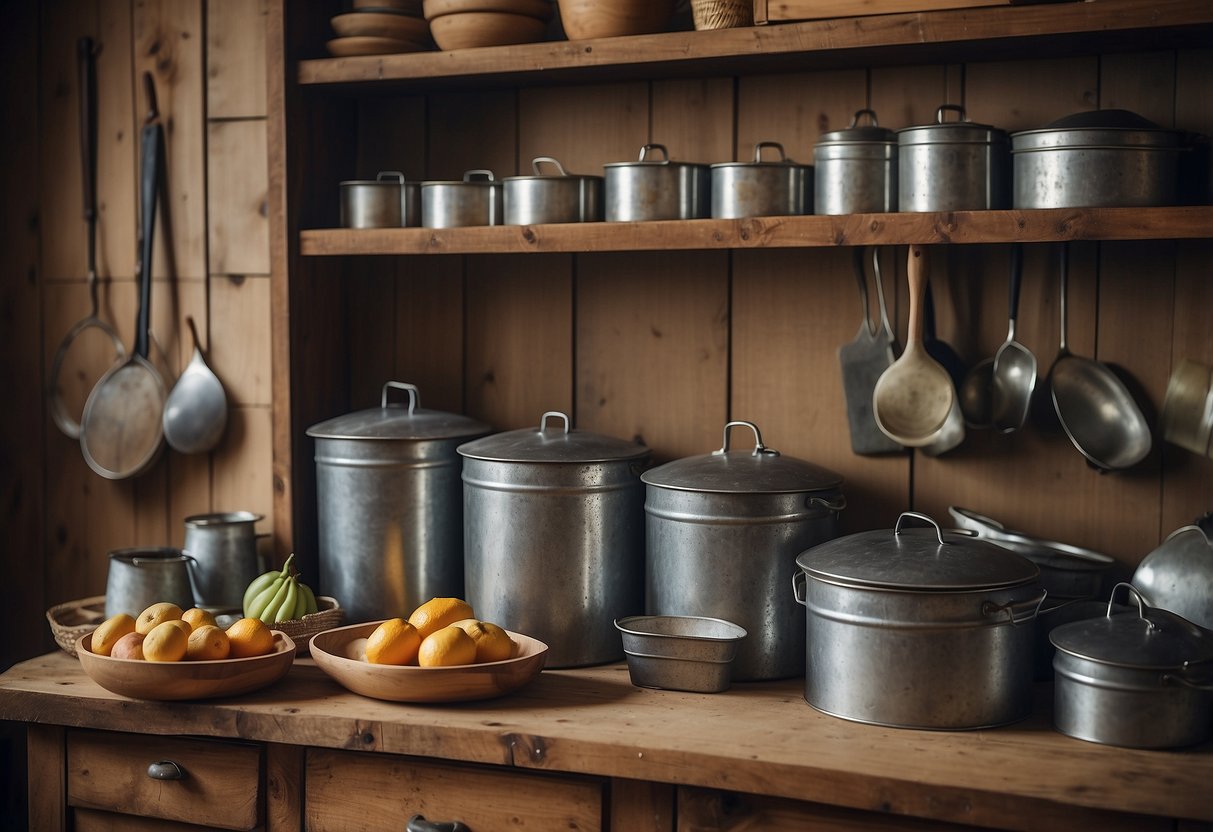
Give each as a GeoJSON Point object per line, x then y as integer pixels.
{"type": "Point", "coordinates": [165, 770]}
{"type": "Point", "coordinates": [417, 823]}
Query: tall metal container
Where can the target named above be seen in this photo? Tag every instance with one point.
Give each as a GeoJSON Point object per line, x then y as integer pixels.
{"type": "Point", "coordinates": [722, 534]}
{"type": "Point", "coordinates": [554, 536]}
{"type": "Point", "coordinates": [856, 169]}
{"type": "Point", "coordinates": [953, 166]}
{"type": "Point", "coordinates": [389, 506]}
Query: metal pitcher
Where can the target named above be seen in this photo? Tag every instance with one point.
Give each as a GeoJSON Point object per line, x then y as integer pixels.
{"type": "Point", "coordinates": [144, 576]}
{"type": "Point", "coordinates": [224, 551]}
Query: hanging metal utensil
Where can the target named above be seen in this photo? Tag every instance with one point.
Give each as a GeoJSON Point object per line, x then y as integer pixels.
{"type": "Point", "coordinates": [86, 59]}
{"type": "Point", "coordinates": [1014, 371]}
{"type": "Point", "coordinates": [121, 432]}
{"type": "Point", "coordinates": [862, 361]}
{"type": "Point", "coordinates": [196, 411]}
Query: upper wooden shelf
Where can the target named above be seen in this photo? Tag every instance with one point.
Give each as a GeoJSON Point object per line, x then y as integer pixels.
{"type": "Point", "coordinates": [1185, 222]}
{"type": "Point", "coordinates": [983, 33]}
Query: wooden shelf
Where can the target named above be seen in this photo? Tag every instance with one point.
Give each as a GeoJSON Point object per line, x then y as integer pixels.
{"type": "Point", "coordinates": [1187, 222]}
{"type": "Point", "coordinates": [959, 34]}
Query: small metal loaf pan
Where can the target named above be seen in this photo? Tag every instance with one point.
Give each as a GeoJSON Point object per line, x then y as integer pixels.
{"type": "Point", "coordinates": [680, 652]}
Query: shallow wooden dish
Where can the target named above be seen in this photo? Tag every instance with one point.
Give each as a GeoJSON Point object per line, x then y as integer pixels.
{"type": "Point", "coordinates": [412, 7]}
{"type": "Point", "coordinates": [140, 679]}
{"type": "Point", "coordinates": [468, 30]}
{"type": "Point", "coordinates": [381, 25]}
{"type": "Point", "coordinates": [541, 9]}
{"type": "Point", "coordinates": [409, 683]}
{"type": "Point", "coordinates": [353, 47]}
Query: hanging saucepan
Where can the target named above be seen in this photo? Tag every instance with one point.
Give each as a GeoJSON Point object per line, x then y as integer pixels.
{"type": "Point", "coordinates": [122, 431]}
{"type": "Point", "coordinates": [1139, 681]}
{"type": "Point", "coordinates": [918, 628]}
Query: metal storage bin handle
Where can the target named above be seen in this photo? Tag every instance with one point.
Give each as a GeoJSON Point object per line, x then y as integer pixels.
{"type": "Point", "coordinates": [397, 177]}
{"type": "Point", "coordinates": [938, 531]}
{"type": "Point", "coordinates": [551, 160]}
{"type": "Point", "coordinates": [871, 114]}
{"type": "Point", "coordinates": [644, 152]}
{"type": "Point", "coordinates": [776, 145]}
{"type": "Point", "coordinates": [759, 448]}
{"type": "Point", "coordinates": [393, 175]}
{"type": "Point", "coordinates": [1020, 607]}
{"type": "Point", "coordinates": [414, 394]}
{"type": "Point", "coordinates": [418, 823]}
{"type": "Point", "coordinates": [798, 588]}
{"type": "Point", "coordinates": [835, 506]}
{"type": "Point", "coordinates": [543, 421]}
{"type": "Point", "coordinates": [478, 175]}
{"type": "Point", "coordinates": [1180, 679]}
{"type": "Point", "coordinates": [1142, 606]}
{"type": "Point", "coordinates": [165, 770]}
{"type": "Point", "coordinates": [954, 108]}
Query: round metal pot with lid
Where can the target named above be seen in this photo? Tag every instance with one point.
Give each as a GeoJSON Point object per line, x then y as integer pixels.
{"type": "Point", "coordinates": [1142, 680]}
{"type": "Point", "coordinates": [559, 197]}
{"type": "Point", "coordinates": [657, 189]}
{"type": "Point", "coordinates": [722, 533]}
{"type": "Point", "coordinates": [474, 200]}
{"type": "Point", "coordinates": [387, 201]}
{"type": "Point", "coordinates": [1097, 159]}
{"type": "Point", "coordinates": [919, 628]}
{"type": "Point", "coordinates": [389, 505]}
{"type": "Point", "coordinates": [554, 536]}
{"type": "Point", "coordinates": [856, 169]}
{"type": "Point", "coordinates": [761, 189]}
{"type": "Point", "coordinates": [952, 165]}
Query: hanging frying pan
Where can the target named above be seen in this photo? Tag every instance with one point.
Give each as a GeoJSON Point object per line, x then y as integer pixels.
{"type": "Point", "coordinates": [121, 432]}
{"type": "Point", "coordinates": [88, 169]}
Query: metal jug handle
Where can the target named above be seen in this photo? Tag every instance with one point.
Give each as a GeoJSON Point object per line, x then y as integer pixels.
{"type": "Point", "coordinates": [1026, 610]}
{"type": "Point", "coordinates": [919, 516]}
{"type": "Point", "coordinates": [414, 394]}
{"type": "Point", "coordinates": [543, 421]}
{"type": "Point", "coordinates": [538, 160]}
{"type": "Point", "coordinates": [191, 563]}
{"type": "Point", "coordinates": [759, 448]}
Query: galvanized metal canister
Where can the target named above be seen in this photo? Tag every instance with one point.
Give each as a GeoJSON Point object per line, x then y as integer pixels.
{"type": "Point", "coordinates": [722, 533]}
{"type": "Point", "coordinates": [856, 169]}
{"type": "Point", "coordinates": [762, 189]}
{"type": "Point", "coordinates": [559, 197]}
{"type": "Point", "coordinates": [952, 166]}
{"type": "Point", "coordinates": [657, 189]}
{"type": "Point", "coordinates": [474, 200]}
{"type": "Point", "coordinates": [389, 506]}
{"type": "Point", "coordinates": [554, 536]}
{"type": "Point", "coordinates": [387, 201]}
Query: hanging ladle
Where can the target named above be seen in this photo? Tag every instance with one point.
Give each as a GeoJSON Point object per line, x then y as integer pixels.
{"type": "Point", "coordinates": [196, 411]}
{"type": "Point", "coordinates": [1093, 405]}
{"type": "Point", "coordinates": [913, 398]}
{"type": "Point", "coordinates": [1014, 372]}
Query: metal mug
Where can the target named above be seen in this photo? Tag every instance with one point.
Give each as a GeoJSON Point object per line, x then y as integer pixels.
{"type": "Point", "coordinates": [144, 576]}
{"type": "Point", "coordinates": [224, 551]}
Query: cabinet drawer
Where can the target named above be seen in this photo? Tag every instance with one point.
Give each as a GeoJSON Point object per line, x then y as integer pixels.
{"type": "Point", "coordinates": [348, 791]}
{"type": "Point", "coordinates": [220, 784]}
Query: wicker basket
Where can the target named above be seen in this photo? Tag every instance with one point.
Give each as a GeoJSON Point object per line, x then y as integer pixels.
{"type": "Point", "coordinates": [301, 630]}
{"type": "Point", "coordinates": [72, 619]}
{"type": "Point", "coordinates": [722, 14]}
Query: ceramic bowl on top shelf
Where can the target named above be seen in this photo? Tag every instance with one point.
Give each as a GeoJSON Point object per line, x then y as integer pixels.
{"type": "Point", "coordinates": [336, 653]}
{"type": "Point", "coordinates": [168, 681]}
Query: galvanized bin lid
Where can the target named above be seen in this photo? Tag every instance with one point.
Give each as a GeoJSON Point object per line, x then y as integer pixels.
{"type": "Point", "coordinates": [951, 132]}
{"type": "Point", "coordinates": [855, 134]}
{"type": "Point", "coordinates": [1151, 639]}
{"type": "Point", "coordinates": [761, 470]}
{"type": "Point", "coordinates": [1099, 129]}
{"type": "Point", "coordinates": [782, 162]}
{"type": "Point", "coordinates": [560, 175]}
{"type": "Point", "coordinates": [552, 444]}
{"type": "Point", "coordinates": [926, 560]}
{"type": "Point", "coordinates": [645, 161]}
{"type": "Point", "coordinates": [396, 421]}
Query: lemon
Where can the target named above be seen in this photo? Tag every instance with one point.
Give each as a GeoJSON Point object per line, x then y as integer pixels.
{"type": "Point", "coordinates": [197, 618]}
{"type": "Point", "coordinates": [437, 613]}
{"type": "Point", "coordinates": [395, 641]}
{"type": "Point", "coordinates": [110, 631]}
{"type": "Point", "coordinates": [446, 647]}
{"type": "Point", "coordinates": [493, 644]}
{"type": "Point", "coordinates": [207, 643]}
{"type": "Point", "coordinates": [156, 614]}
{"type": "Point", "coordinates": [249, 637]}
{"type": "Point", "coordinates": [166, 642]}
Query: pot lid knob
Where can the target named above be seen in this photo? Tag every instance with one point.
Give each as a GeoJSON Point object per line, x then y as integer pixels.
{"type": "Point", "coordinates": [414, 394]}
{"type": "Point", "coordinates": [759, 448]}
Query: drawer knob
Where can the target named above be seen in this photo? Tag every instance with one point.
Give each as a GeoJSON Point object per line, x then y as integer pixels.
{"type": "Point", "coordinates": [165, 770]}
{"type": "Point", "coordinates": [417, 823]}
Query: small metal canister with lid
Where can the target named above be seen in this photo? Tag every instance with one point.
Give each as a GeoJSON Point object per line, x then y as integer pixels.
{"type": "Point", "coordinates": [474, 200]}
{"type": "Point", "coordinates": [387, 201]}
{"type": "Point", "coordinates": [558, 197]}
{"type": "Point", "coordinates": [657, 189]}
{"type": "Point", "coordinates": [953, 165]}
{"type": "Point", "coordinates": [856, 169]}
{"type": "Point", "coordinates": [762, 188]}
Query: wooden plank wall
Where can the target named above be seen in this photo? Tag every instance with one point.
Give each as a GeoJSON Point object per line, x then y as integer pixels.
{"type": "Point", "coordinates": [667, 347]}
{"type": "Point", "coordinates": [210, 262]}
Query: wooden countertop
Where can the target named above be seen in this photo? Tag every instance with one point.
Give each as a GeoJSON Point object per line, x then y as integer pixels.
{"type": "Point", "coordinates": [757, 737]}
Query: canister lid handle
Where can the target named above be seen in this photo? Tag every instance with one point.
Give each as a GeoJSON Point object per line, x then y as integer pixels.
{"type": "Point", "coordinates": [919, 516]}
{"type": "Point", "coordinates": [954, 108]}
{"type": "Point", "coordinates": [478, 175]}
{"type": "Point", "coordinates": [758, 148]}
{"type": "Point", "coordinates": [393, 175]}
{"type": "Point", "coordinates": [1141, 603]}
{"type": "Point", "coordinates": [414, 394]}
{"type": "Point", "coordinates": [543, 421]}
{"type": "Point", "coordinates": [551, 160]}
{"type": "Point", "coordinates": [871, 114]}
{"type": "Point", "coordinates": [644, 152]}
{"type": "Point", "coordinates": [759, 448]}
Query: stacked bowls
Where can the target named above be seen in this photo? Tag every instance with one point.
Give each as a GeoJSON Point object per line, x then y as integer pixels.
{"type": "Point", "coordinates": [380, 27]}
{"type": "Point", "coordinates": [464, 24]}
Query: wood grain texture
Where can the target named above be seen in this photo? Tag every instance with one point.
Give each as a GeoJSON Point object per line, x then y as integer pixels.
{"type": "Point", "coordinates": [430, 337]}
{"type": "Point", "coordinates": [586, 127]}
{"type": "Point", "coordinates": [283, 787]}
{"type": "Point", "coordinates": [91, 820]}
{"type": "Point", "coordinates": [238, 344]}
{"type": "Point", "coordinates": [47, 774]}
{"type": "Point", "coordinates": [642, 807]}
{"type": "Point", "coordinates": [235, 58]}
{"type": "Point", "coordinates": [752, 738]}
{"type": "Point", "coordinates": [241, 466]}
{"type": "Point", "coordinates": [237, 215]}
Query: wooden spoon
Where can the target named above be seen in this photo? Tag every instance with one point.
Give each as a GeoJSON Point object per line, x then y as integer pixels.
{"type": "Point", "coordinates": [912, 399]}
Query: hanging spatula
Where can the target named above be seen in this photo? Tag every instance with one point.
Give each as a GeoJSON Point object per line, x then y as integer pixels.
{"type": "Point", "coordinates": [863, 360]}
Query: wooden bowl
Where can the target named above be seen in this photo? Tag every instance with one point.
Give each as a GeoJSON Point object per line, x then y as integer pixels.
{"type": "Point", "coordinates": [140, 679]}
{"type": "Point", "coordinates": [412, 7]}
{"type": "Point", "coordinates": [467, 30]}
{"type": "Point", "coordinates": [583, 19]}
{"type": "Point", "coordinates": [408, 683]}
{"type": "Point", "coordinates": [381, 25]}
{"type": "Point", "coordinates": [541, 9]}
{"type": "Point", "coordinates": [353, 47]}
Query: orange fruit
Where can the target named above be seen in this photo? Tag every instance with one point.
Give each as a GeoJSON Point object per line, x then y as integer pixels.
{"type": "Point", "coordinates": [112, 629]}
{"type": "Point", "coordinates": [197, 618]}
{"type": "Point", "coordinates": [395, 641]}
{"type": "Point", "coordinates": [250, 637]}
{"type": "Point", "coordinates": [156, 614]}
{"type": "Point", "coordinates": [446, 647]}
{"type": "Point", "coordinates": [437, 613]}
{"type": "Point", "coordinates": [130, 646]}
{"type": "Point", "coordinates": [493, 644]}
{"type": "Point", "coordinates": [166, 642]}
{"type": "Point", "coordinates": [208, 643]}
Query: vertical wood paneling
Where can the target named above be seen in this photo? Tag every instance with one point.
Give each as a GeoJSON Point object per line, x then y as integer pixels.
{"type": "Point", "coordinates": [430, 337]}
{"type": "Point", "coordinates": [117, 140]}
{"type": "Point", "coordinates": [583, 127]}
{"type": "Point", "coordinates": [692, 118]}
{"type": "Point", "coordinates": [242, 466]}
{"type": "Point", "coordinates": [235, 47]}
{"type": "Point", "coordinates": [237, 219]}
{"type": "Point", "coordinates": [795, 109]}
{"type": "Point", "coordinates": [238, 346]}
